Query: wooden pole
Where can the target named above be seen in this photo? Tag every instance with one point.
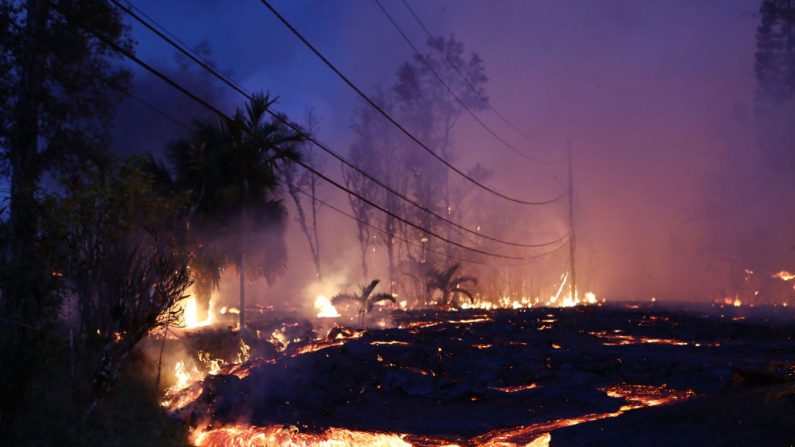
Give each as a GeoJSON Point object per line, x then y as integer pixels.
{"type": "Point", "coordinates": [572, 228]}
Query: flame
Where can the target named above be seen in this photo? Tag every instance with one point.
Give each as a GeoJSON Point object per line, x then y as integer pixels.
{"type": "Point", "coordinates": [185, 390]}
{"type": "Point", "coordinates": [190, 313]}
{"type": "Point", "coordinates": [560, 299]}
{"type": "Point", "coordinates": [784, 275]}
{"type": "Point", "coordinates": [229, 310]}
{"type": "Point", "coordinates": [325, 308]}
{"type": "Point", "coordinates": [183, 376]}
{"type": "Point", "coordinates": [213, 365]}
{"type": "Point", "coordinates": [729, 301]}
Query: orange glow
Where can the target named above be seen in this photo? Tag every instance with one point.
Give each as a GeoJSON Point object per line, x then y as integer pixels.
{"type": "Point", "coordinates": [534, 435]}
{"type": "Point", "coordinates": [325, 308]}
{"type": "Point", "coordinates": [514, 389]}
{"type": "Point", "coordinates": [620, 339]}
{"type": "Point", "coordinates": [234, 436]}
{"type": "Point", "coordinates": [388, 342]}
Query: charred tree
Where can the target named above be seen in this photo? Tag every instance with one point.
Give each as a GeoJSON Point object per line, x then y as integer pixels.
{"type": "Point", "coordinates": [304, 186]}
{"type": "Point", "coordinates": [432, 112]}
{"type": "Point", "coordinates": [377, 150]}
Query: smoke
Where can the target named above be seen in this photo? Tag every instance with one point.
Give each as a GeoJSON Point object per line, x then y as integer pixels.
{"type": "Point", "coordinates": [679, 188]}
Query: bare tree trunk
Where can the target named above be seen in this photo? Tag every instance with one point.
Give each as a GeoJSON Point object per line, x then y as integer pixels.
{"type": "Point", "coordinates": [242, 289]}
{"type": "Point", "coordinates": [20, 299]}
{"type": "Point", "coordinates": [363, 244]}
{"type": "Point", "coordinates": [244, 238]}
{"type": "Point", "coordinates": [315, 209]}
{"type": "Point", "coordinates": [390, 255]}
{"type": "Point", "coordinates": [160, 359]}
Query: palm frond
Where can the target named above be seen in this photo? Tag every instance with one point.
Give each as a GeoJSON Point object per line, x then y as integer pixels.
{"type": "Point", "coordinates": [378, 297]}
{"type": "Point", "coordinates": [448, 274]}
{"type": "Point", "coordinates": [342, 297]}
{"type": "Point", "coordinates": [368, 290]}
{"type": "Point", "coordinates": [464, 279]}
{"type": "Point", "coordinates": [466, 292]}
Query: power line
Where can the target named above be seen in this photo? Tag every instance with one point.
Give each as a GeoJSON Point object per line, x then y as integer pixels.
{"type": "Point", "coordinates": [222, 115]}
{"type": "Point", "coordinates": [389, 118]}
{"type": "Point", "coordinates": [414, 244]}
{"type": "Point", "coordinates": [182, 48]}
{"type": "Point", "coordinates": [463, 76]}
{"type": "Point", "coordinates": [346, 214]}
{"type": "Point", "coordinates": [444, 83]}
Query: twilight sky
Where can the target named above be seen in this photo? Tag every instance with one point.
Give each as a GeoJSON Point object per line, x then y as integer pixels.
{"type": "Point", "coordinates": [657, 97]}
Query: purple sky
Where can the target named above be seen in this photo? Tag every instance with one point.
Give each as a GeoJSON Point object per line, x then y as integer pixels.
{"type": "Point", "coordinates": [657, 97]}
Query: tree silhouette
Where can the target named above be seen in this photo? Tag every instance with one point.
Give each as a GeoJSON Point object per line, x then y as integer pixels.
{"type": "Point", "coordinates": [431, 113]}
{"type": "Point", "coordinates": [58, 90]}
{"type": "Point", "coordinates": [450, 285]}
{"type": "Point", "coordinates": [229, 169]}
{"type": "Point", "coordinates": [365, 299]}
{"type": "Point", "coordinates": [308, 183]}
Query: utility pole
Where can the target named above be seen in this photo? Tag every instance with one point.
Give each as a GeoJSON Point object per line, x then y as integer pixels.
{"type": "Point", "coordinates": [572, 231]}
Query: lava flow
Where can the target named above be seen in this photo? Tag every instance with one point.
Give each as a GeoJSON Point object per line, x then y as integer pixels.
{"type": "Point", "coordinates": [533, 435]}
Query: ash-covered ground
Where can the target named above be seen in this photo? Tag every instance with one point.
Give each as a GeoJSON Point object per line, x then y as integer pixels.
{"type": "Point", "coordinates": [716, 375]}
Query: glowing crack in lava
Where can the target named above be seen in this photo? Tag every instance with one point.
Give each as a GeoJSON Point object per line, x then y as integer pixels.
{"type": "Point", "coordinates": [514, 389]}
{"type": "Point", "coordinates": [615, 339]}
{"type": "Point", "coordinates": [539, 435]}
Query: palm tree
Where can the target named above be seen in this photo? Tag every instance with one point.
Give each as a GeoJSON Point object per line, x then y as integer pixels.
{"type": "Point", "coordinates": [366, 299]}
{"type": "Point", "coordinates": [228, 168]}
{"type": "Point", "coordinates": [450, 285]}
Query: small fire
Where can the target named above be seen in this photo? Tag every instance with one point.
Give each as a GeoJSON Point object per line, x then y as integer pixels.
{"type": "Point", "coordinates": [186, 389]}
{"type": "Point", "coordinates": [213, 365]}
{"type": "Point", "coordinates": [733, 301]}
{"type": "Point", "coordinates": [190, 314]}
{"type": "Point", "coordinates": [184, 377]}
{"type": "Point", "coordinates": [325, 308]}
{"type": "Point", "coordinates": [229, 310]}
{"type": "Point", "coordinates": [558, 300]}
{"type": "Point", "coordinates": [784, 275]}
